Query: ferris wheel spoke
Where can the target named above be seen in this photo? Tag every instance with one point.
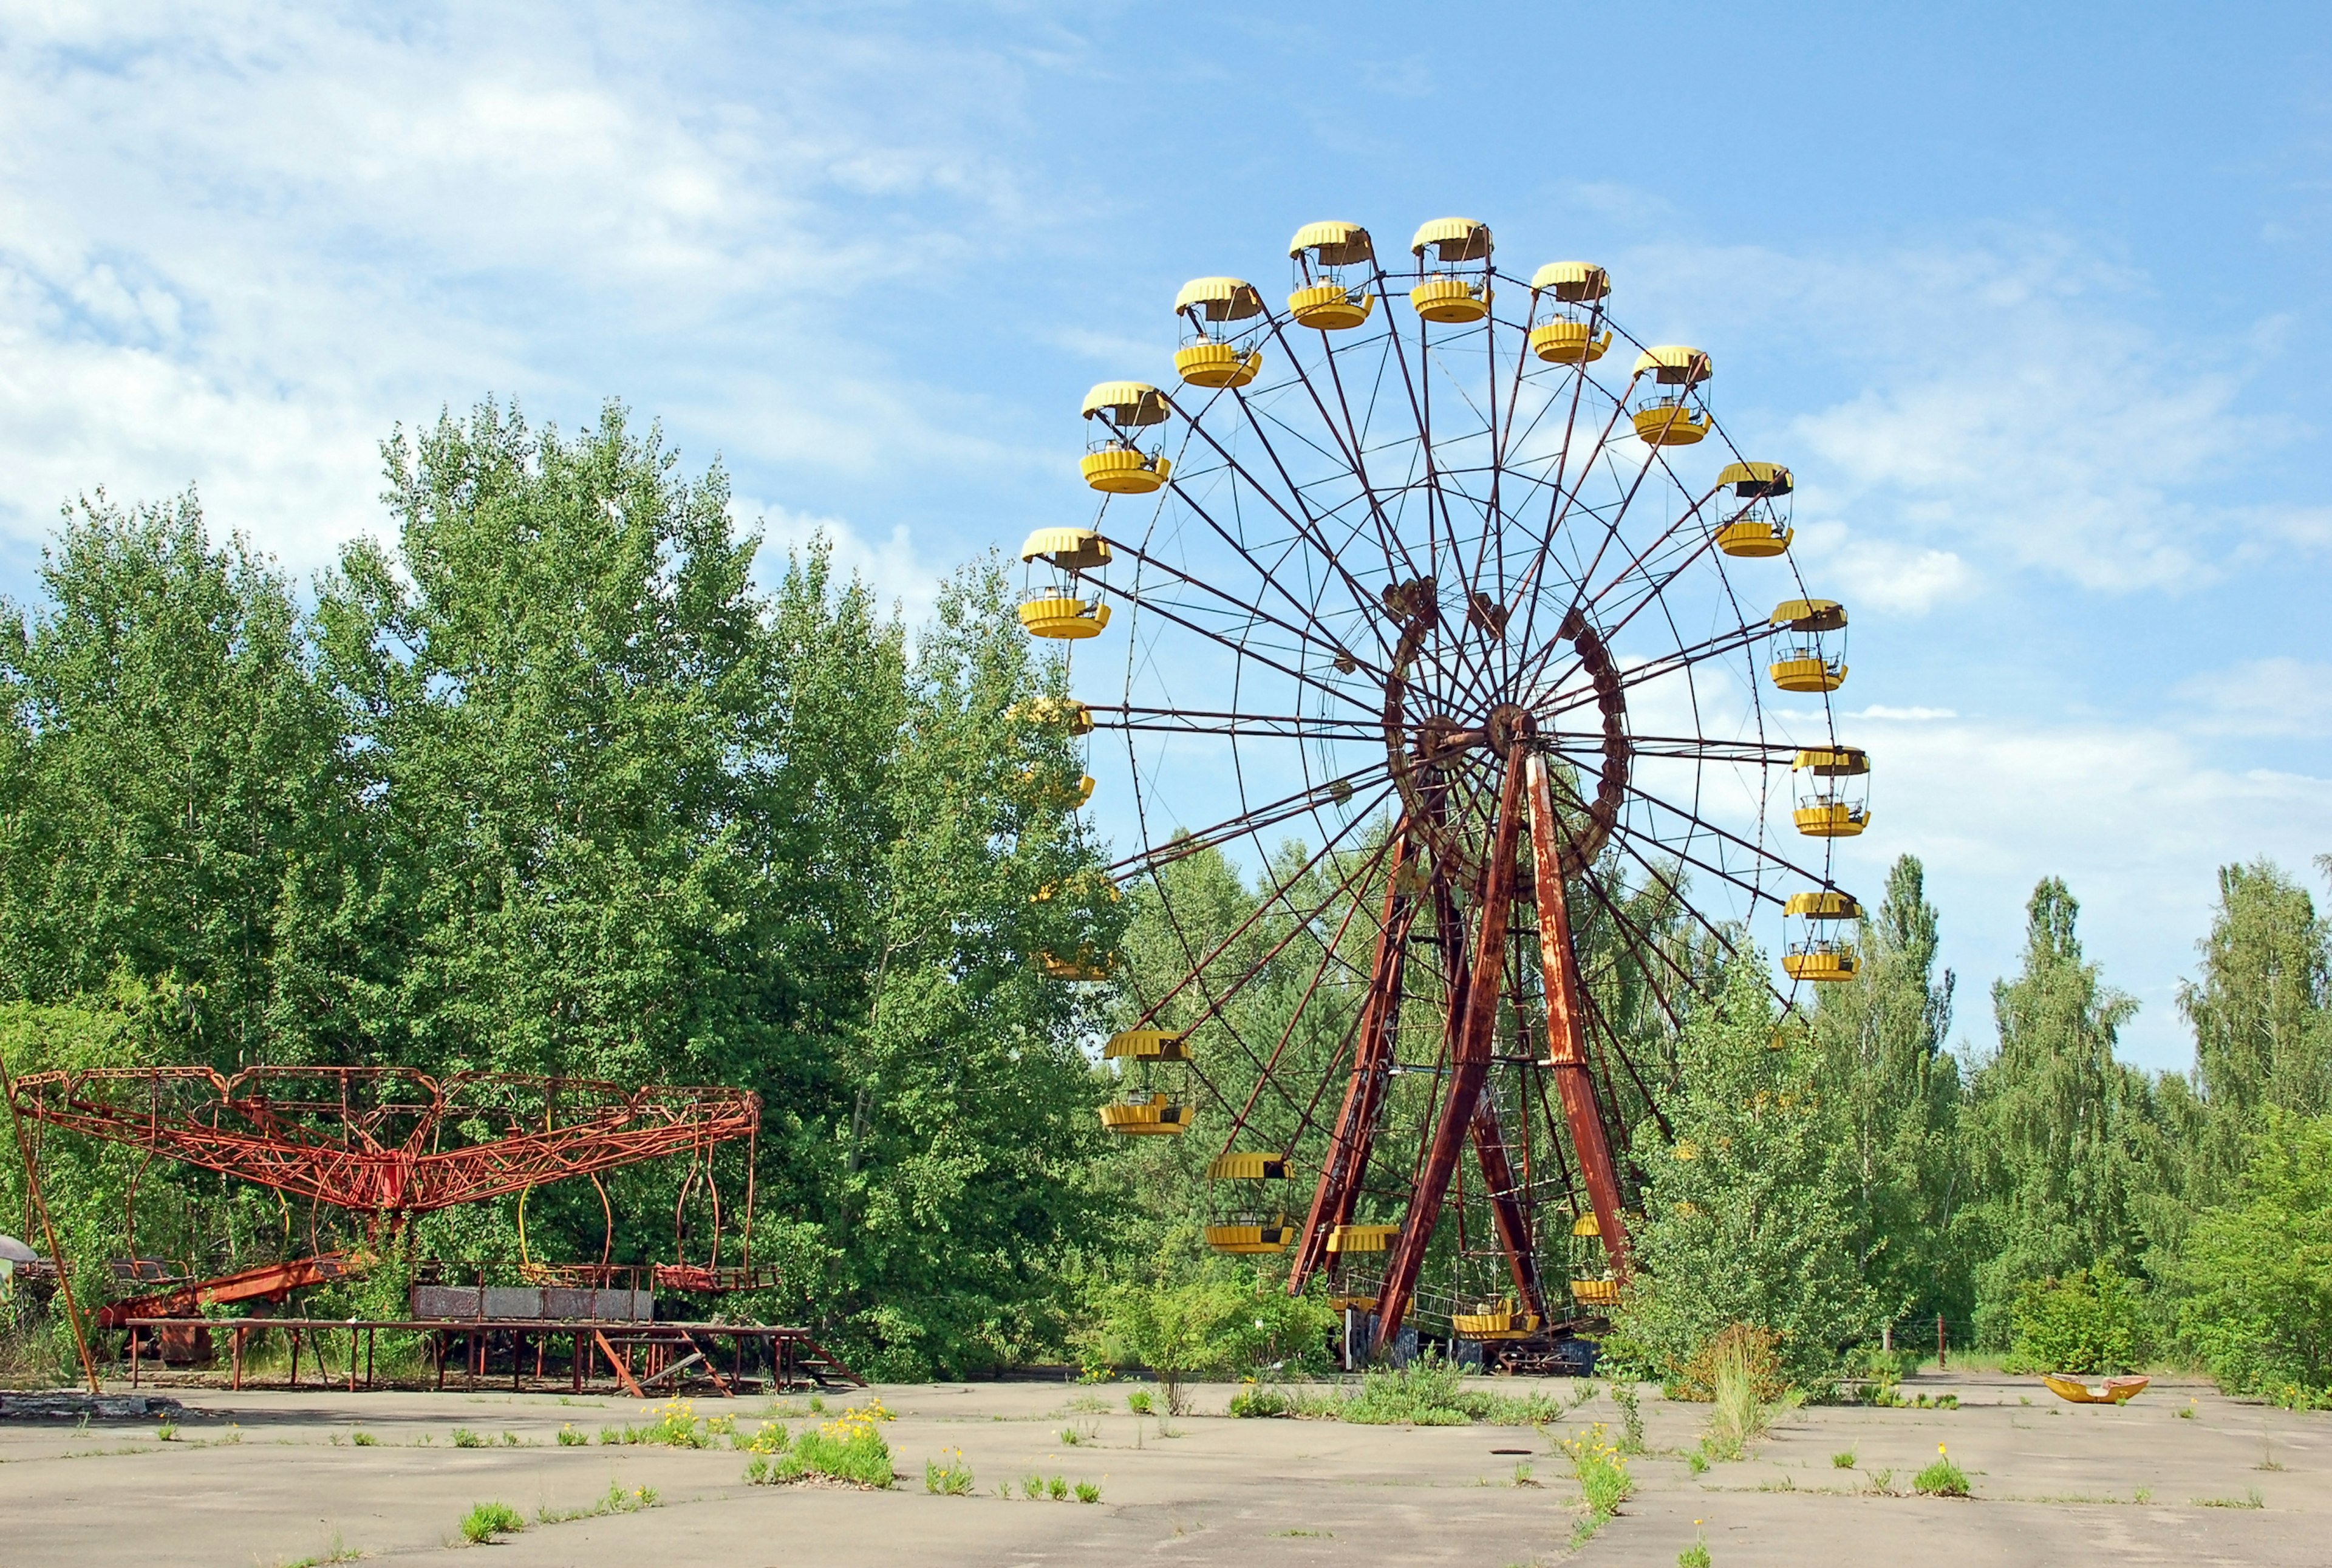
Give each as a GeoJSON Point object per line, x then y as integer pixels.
{"type": "Point", "coordinates": [1325, 640]}
{"type": "Point", "coordinates": [1306, 526]}
{"type": "Point", "coordinates": [1214, 1002]}
{"type": "Point", "coordinates": [1564, 700]}
{"type": "Point", "coordinates": [1703, 825]}
{"type": "Point", "coordinates": [1348, 437]}
{"type": "Point", "coordinates": [1231, 722]}
{"type": "Point", "coordinates": [1294, 1019]}
{"type": "Point", "coordinates": [1253, 821]}
{"type": "Point", "coordinates": [1221, 639]}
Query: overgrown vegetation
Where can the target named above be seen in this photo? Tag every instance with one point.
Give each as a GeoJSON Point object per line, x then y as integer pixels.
{"type": "Point", "coordinates": [1602, 1471]}
{"type": "Point", "coordinates": [1427, 1392]}
{"type": "Point", "coordinates": [558, 776]}
{"type": "Point", "coordinates": [484, 1521]}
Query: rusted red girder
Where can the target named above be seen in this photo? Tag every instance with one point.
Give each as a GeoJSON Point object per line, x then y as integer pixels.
{"type": "Point", "coordinates": [1566, 1041]}
{"type": "Point", "coordinates": [378, 1140]}
{"type": "Point", "coordinates": [268, 1282]}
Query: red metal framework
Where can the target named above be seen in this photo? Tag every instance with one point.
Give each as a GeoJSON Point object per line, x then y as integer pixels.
{"type": "Point", "coordinates": [387, 1143]}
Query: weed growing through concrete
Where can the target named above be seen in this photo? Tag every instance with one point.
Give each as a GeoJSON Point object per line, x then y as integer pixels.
{"type": "Point", "coordinates": [463, 1438]}
{"type": "Point", "coordinates": [616, 1501]}
{"type": "Point", "coordinates": [1696, 1554]}
{"type": "Point", "coordinates": [1843, 1460]}
{"type": "Point", "coordinates": [2142, 1495]}
{"type": "Point", "coordinates": [1089, 1491]}
{"type": "Point", "coordinates": [1632, 1417]}
{"type": "Point", "coordinates": [2250, 1499]}
{"type": "Point", "coordinates": [850, 1448]}
{"type": "Point", "coordinates": [363, 1440]}
{"type": "Point", "coordinates": [1523, 1475]}
{"type": "Point", "coordinates": [1057, 1488]}
{"type": "Point", "coordinates": [1695, 1460]}
{"type": "Point", "coordinates": [1139, 1402]}
{"type": "Point", "coordinates": [1882, 1482]}
{"type": "Point", "coordinates": [947, 1476]}
{"type": "Point", "coordinates": [1604, 1480]}
{"type": "Point", "coordinates": [1941, 1479]}
{"type": "Point", "coordinates": [568, 1437]}
{"type": "Point", "coordinates": [485, 1521]}
{"type": "Point", "coordinates": [166, 1433]}
{"type": "Point", "coordinates": [2186, 1413]}
{"type": "Point", "coordinates": [1032, 1486]}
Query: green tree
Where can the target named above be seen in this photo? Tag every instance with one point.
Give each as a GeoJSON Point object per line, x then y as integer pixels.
{"type": "Point", "coordinates": [1886, 1075]}
{"type": "Point", "coordinates": [2060, 1138]}
{"type": "Point", "coordinates": [2261, 1012]}
{"type": "Point", "coordinates": [1750, 1214]}
{"type": "Point", "coordinates": [175, 798]}
{"type": "Point", "coordinates": [2256, 1276]}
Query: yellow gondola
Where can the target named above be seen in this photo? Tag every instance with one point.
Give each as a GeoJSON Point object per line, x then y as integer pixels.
{"type": "Point", "coordinates": [1838, 805]}
{"type": "Point", "coordinates": [1054, 608]}
{"type": "Point", "coordinates": [1453, 288]}
{"type": "Point", "coordinates": [1084, 965]}
{"type": "Point", "coordinates": [1566, 305]}
{"type": "Point", "coordinates": [1348, 1238]}
{"type": "Point", "coordinates": [1248, 1226]}
{"type": "Point", "coordinates": [1333, 265]}
{"type": "Point", "coordinates": [1815, 660]}
{"type": "Point", "coordinates": [1759, 530]}
{"type": "Point", "coordinates": [1495, 1320]}
{"type": "Point", "coordinates": [1669, 414]}
{"type": "Point", "coordinates": [1815, 955]}
{"type": "Point", "coordinates": [1155, 1116]}
{"type": "Point", "coordinates": [1209, 307]}
{"type": "Point", "coordinates": [1116, 462]}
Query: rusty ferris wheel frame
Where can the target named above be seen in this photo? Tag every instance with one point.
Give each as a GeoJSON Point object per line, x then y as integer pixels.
{"type": "Point", "coordinates": [1402, 564]}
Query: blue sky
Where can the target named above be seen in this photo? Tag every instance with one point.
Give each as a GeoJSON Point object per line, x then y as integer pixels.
{"type": "Point", "coordinates": [2032, 299]}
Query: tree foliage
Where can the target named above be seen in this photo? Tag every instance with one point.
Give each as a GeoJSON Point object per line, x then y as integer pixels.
{"type": "Point", "coordinates": [1750, 1214]}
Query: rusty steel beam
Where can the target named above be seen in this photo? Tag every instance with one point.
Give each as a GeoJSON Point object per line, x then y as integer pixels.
{"type": "Point", "coordinates": [1566, 1034]}
{"type": "Point", "coordinates": [1470, 1065]}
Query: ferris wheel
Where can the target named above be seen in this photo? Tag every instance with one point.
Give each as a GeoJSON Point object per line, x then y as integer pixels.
{"type": "Point", "coordinates": [1446, 609]}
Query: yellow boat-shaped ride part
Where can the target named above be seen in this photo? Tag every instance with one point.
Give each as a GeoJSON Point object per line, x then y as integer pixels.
{"type": "Point", "coordinates": [1595, 1292]}
{"type": "Point", "coordinates": [2118, 1390]}
{"type": "Point", "coordinates": [1148, 1046]}
{"type": "Point", "coordinates": [1247, 1165]}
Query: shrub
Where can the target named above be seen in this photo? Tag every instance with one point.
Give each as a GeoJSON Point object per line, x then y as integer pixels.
{"type": "Point", "coordinates": [1745, 1386]}
{"type": "Point", "coordinates": [1223, 1321]}
{"type": "Point", "coordinates": [1941, 1479]}
{"type": "Point", "coordinates": [2090, 1322]}
{"type": "Point", "coordinates": [1427, 1392]}
{"type": "Point", "coordinates": [485, 1521]}
{"type": "Point", "coordinates": [1254, 1401]}
{"type": "Point", "coordinates": [1746, 1350]}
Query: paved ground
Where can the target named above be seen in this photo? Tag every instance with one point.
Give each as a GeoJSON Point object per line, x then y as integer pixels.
{"type": "Point", "coordinates": [260, 1480]}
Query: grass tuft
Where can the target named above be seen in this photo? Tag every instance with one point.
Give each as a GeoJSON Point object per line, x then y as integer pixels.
{"type": "Point", "coordinates": [485, 1521]}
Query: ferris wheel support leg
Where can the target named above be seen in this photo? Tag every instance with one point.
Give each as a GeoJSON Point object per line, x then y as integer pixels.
{"type": "Point", "coordinates": [1477, 1017]}
{"type": "Point", "coordinates": [1566, 1041]}
{"type": "Point", "coordinates": [1356, 1119]}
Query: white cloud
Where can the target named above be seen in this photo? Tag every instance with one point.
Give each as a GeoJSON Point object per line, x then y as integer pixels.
{"type": "Point", "coordinates": [2134, 818]}
{"type": "Point", "coordinates": [894, 568]}
{"type": "Point", "coordinates": [2019, 403]}
{"type": "Point", "coordinates": [2265, 697]}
